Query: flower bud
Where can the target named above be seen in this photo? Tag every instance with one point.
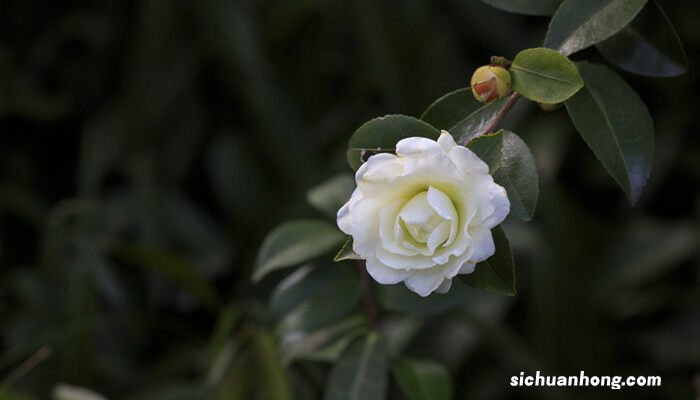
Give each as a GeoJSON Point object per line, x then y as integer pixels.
{"type": "Point", "coordinates": [490, 82]}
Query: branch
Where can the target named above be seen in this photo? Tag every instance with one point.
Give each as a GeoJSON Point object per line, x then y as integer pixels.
{"type": "Point", "coordinates": [502, 113]}
{"type": "Point", "coordinates": [367, 300]}
{"type": "Point", "coordinates": [24, 368]}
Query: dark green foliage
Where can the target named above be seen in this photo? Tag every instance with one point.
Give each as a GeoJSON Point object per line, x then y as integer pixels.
{"type": "Point", "coordinates": [147, 148]}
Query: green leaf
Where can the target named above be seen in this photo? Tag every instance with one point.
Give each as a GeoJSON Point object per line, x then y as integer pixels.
{"type": "Point", "coordinates": [380, 135]}
{"type": "Point", "coordinates": [517, 173]}
{"type": "Point", "coordinates": [274, 382]}
{"type": "Point", "coordinates": [497, 273]}
{"type": "Point", "coordinates": [312, 297]}
{"type": "Point", "coordinates": [423, 380]}
{"type": "Point", "coordinates": [346, 252]}
{"type": "Point", "coordinates": [295, 242]}
{"type": "Point", "coordinates": [648, 46]}
{"type": "Point", "coordinates": [460, 114]}
{"type": "Point", "coordinates": [489, 149]}
{"type": "Point", "coordinates": [545, 76]}
{"type": "Point", "coordinates": [361, 373]}
{"type": "Point", "coordinates": [580, 24]}
{"type": "Point", "coordinates": [616, 125]}
{"type": "Point", "coordinates": [527, 7]}
{"type": "Point", "coordinates": [329, 196]}
{"type": "Point", "coordinates": [324, 344]}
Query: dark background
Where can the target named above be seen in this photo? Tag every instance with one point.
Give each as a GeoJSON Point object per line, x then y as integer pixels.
{"type": "Point", "coordinates": [146, 148]}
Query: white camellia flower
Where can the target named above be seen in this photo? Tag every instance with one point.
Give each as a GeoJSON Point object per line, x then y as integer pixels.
{"type": "Point", "coordinates": [424, 215]}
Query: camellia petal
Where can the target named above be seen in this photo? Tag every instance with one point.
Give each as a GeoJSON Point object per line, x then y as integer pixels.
{"type": "Point", "coordinates": [484, 247]}
{"type": "Point", "coordinates": [383, 274]}
{"type": "Point", "coordinates": [444, 286]}
{"type": "Point", "coordinates": [417, 147]}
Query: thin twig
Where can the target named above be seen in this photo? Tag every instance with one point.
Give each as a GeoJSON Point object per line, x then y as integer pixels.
{"type": "Point", "coordinates": [502, 113]}
{"type": "Point", "coordinates": [24, 368]}
{"type": "Point", "coordinates": [367, 300]}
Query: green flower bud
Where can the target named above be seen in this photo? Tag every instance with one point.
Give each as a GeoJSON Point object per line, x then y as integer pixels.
{"type": "Point", "coordinates": [490, 83]}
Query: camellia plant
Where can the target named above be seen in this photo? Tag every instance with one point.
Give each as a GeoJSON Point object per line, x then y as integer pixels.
{"type": "Point", "coordinates": [429, 194]}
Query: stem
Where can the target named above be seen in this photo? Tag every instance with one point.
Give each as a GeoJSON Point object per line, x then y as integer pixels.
{"type": "Point", "coordinates": [502, 113]}
{"type": "Point", "coordinates": [367, 300]}
{"type": "Point", "coordinates": [501, 61]}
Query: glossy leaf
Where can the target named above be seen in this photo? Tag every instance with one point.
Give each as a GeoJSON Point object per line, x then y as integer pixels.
{"type": "Point", "coordinates": [460, 114]}
{"type": "Point", "coordinates": [329, 196]}
{"type": "Point", "coordinates": [616, 125]}
{"type": "Point", "coordinates": [423, 380]}
{"type": "Point", "coordinates": [517, 173]}
{"type": "Point", "coordinates": [346, 252]}
{"type": "Point", "coordinates": [579, 24]}
{"type": "Point", "coordinates": [380, 135]}
{"type": "Point", "coordinates": [295, 242]}
{"type": "Point", "coordinates": [313, 297]}
{"type": "Point", "coordinates": [648, 46]}
{"type": "Point", "coordinates": [544, 75]}
{"type": "Point", "coordinates": [489, 149]}
{"type": "Point", "coordinates": [497, 273]}
{"type": "Point", "coordinates": [527, 7]}
{"type": "Point", "coordinates": [361, 373]}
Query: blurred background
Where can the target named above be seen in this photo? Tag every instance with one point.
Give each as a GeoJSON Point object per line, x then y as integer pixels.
{"type": "Point", "coordinates": [147, 147]}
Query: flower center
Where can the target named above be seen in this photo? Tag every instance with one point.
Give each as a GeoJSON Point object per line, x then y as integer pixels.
{"type": "Point", "coordinates": [419, 218]}
{"type": "Point", "coordinates": [427, 221]}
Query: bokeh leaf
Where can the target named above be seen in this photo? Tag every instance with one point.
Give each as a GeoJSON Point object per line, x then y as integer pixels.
{"type": "Point", "coordinates": [361, 373]}
{"type": "Point", "coordinates": [423, 380]}
{"type": "Point", "coordinates": [580, 24]}
{"type": "Point", "coordinates": [313, 297]}
{"type": "Point", "coordinates": [380, 135]}
{"type": "Point", "coordinates": [8, 394]}
{"type": "Point", "coordinates": [527, 7]}
{"type": "Point", "coordinates": [460, 114]}
{"type": "Point", "coordinates": [616, 125]}
{"type": "Point", "coordinates": [68, 392]}
{"type": "Point", "coordinates": [175, 267]}
{"type": "Point", "coordinates": [273, 380]}
{"type": "Point", "coordinates": [517, 173]}
{"type": "Point", "coordinates": [177, 390]}
{"type": "Point", "coordinates": [648, 46]}
{"type": "Point", "coordinates": [544, 75]}
{"type": "Point", "coordinates": [295, 242]}
{"type": "Point", "coordinates": [329, 196]}
{"type": "Point", "coordinates": [324, 344]}
{"type": "Point", "coordinates": [254, 373]}
{"type": "Point", "coordinates": [497, 273]}
{"type": "Point", "coordinates": [488, 148]}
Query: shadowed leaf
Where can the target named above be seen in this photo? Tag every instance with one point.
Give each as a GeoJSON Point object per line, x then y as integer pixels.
{"type": "Point", "coordinates": [616, 125]}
